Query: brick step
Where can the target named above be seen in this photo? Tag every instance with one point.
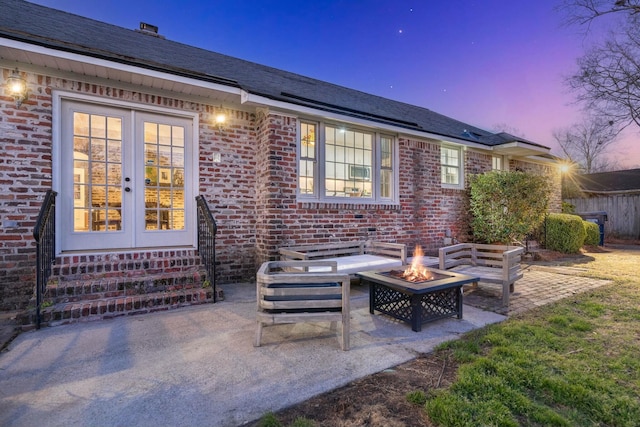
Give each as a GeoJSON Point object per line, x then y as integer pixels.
{"type": "Point", "coordinates": [107, 308]}
{"type": "Point", "coordinates": [64, 291]}
{"type": "Point", "coordinates": [123, 264]}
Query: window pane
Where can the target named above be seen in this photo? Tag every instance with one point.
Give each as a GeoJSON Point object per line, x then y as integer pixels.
{"type": "Point", "coordinates": [98, 152]}
{"type": "Point", "coordinates": [348, 160]}
{"type": "Point", "coordinates": [164, 176]}
{"type": "Point", "coordinates": [114, 128]}
{"type": "Point", "coordinates": [450, 165]}
{"type": "Point", "coordinates": [113, 151]}
{"type": "Point", "coordinates": [450, 175]}
{"type": "Point", "coordinates": [178, 136]}
{"type": "Point", "coordinates": [385, 184]}
{"type": "Point", "coordinates": [497, 163]}
{"type": "Point", "coordinates": [150, 132]}
{"type": "Point", "coordinates": [450, 156]}
{"type": "Point", "coordinates": [306, 166]}
{"type": "Point", "coordinates": [385, 153]}
{"type": "Point", "coordinates": [386, 167]}
{"type": "Point", "coordinates": [98, 126]}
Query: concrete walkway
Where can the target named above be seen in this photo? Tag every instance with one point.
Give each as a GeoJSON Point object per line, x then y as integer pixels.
{"type": "Point", "coordinates": [197, 366]}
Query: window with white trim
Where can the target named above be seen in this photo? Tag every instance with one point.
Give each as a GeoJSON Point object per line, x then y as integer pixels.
{"type": "Point", "coordinates": [451, 166]}
{"type": "Point", "coordinates": [496, 163]}
{"type": "Point", "coordinates": [338, 162]}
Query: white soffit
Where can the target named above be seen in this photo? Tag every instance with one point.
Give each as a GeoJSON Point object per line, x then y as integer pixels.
{"type": "Point", "coordinates": [63, 64]}
{"type": "Point", "coordinates": [519, 149]}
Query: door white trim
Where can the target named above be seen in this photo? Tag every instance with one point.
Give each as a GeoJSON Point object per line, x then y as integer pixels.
{"type": "Point", "coordinates": [191, 161]}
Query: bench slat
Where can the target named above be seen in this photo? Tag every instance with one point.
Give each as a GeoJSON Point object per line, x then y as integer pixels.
{"type": "Point", "coordinates": [294, 291]}
{"type": "Point", "coordinates": [302, 296]}
{"type": "Point", "coordinates": [491, 263]}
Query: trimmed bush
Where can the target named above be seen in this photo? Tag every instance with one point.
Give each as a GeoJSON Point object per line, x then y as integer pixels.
{"type": "Point", "coordinates": [593, 233]}
{"type": "Point", "coordinates": [565, 233]}
{"type": "Point", "coordinates": [506, 205]}
{"type": "Point", "coordinates": [568, 208]}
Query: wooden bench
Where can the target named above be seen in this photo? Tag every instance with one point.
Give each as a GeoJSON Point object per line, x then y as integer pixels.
{"type": "Point", "coordinates": [491, 263]}
{"type": "Point", "coordinates": [351, 257]}
{"type": "Point", "coordinates": [302, 296]}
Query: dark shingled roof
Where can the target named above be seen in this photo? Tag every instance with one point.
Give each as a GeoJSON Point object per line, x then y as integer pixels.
{"type": "Point", "coordinates": [63, 31]}
{"type": "Point", "coordinates": [603, 182]}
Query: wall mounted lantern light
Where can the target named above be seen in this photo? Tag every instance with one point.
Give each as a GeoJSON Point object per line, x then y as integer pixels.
{"type": "Point", "coordinates": [219, 118]}
{"type": "Point", "coordinates": [17, 87]}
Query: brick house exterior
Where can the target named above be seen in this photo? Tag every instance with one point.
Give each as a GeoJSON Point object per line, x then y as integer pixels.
{"type": "Point", "coordinates": [247, 170]}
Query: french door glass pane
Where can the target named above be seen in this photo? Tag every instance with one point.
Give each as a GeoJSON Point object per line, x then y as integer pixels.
{"type": "Point", "coordinates": [97, 173]}
{"type": "Point", "coordinates": [164, 177]}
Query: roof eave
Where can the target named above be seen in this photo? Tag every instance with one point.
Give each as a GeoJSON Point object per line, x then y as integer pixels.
{"type": "Point", "coordinates": [257, 100]}
{"type": "Point", "coordinates": [520, 149]}
{"type": "Point", "coordinates": [64, 59]}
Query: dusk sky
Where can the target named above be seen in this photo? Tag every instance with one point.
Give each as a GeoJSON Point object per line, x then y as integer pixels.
{"type": "Point", "coordinates": [486, 62]}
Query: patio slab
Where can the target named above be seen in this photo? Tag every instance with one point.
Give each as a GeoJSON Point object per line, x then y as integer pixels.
{"type": "Point", "coordinates": [198, 366]}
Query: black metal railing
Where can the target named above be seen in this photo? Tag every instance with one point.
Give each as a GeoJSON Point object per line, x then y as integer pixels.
{"type": "Point", "coordinates": [45, 235]}
{"type": "Point", "coordinates": [207, 230]}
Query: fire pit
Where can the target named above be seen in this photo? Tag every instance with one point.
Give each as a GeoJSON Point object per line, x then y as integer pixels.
{"type": "Point", "coordinates": [432, 295]}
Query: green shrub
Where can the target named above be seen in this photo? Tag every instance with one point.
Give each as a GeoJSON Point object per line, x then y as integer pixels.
{"type": "Point", "coordinates": [593, 233]}
{"type": "Point", "coordinates": [506, 205]}
{"type": "Point", "coordinates": [564, 233]}
{"type": "Point", "coordinates": [568, 208]}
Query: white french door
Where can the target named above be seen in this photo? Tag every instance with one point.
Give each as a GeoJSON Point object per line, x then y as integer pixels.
{"type": "Point", "coordinates": [125, 178]}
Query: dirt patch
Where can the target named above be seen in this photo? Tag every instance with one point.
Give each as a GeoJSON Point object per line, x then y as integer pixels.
{"type": "Point", "coordinates": [379, 399]}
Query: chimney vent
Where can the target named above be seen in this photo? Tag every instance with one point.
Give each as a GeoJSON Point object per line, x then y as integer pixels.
{"type": "Point", "coordinates": [149, 29]}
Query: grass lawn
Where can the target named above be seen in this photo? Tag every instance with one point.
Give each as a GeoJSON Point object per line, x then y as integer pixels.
{"type": "Point", "coordinates": [573, 363]}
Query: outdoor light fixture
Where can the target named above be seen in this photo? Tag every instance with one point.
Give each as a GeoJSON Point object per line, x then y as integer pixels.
{"type": "Point", "coordinates": [220, 118]}
{"type": "Point", "coordinates": [565, 167]}
{"type": "Point", "coordinates": [17, 87]}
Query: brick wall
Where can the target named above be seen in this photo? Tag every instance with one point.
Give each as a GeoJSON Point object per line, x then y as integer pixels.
{"type": "Point", "coordinates": [25, 176]}
{"type": "Point", "coordinates": [425, 211]}
{"type": "Point", "coordinates": [229, 187]}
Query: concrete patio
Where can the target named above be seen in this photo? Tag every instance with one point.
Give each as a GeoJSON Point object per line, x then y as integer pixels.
{"type": "Point", "coordinates": [198, 366]}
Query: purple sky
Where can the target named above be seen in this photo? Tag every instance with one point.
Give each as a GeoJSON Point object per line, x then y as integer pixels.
{"type": "Point", "coordinates": [484, 62]}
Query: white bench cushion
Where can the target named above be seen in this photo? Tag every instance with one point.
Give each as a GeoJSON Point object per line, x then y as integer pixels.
{"type": "Point", "coordinates": [354, 263]}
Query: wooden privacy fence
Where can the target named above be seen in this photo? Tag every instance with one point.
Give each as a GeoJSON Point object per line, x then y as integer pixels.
{"type": "Point", "coordinates": [623, 211]}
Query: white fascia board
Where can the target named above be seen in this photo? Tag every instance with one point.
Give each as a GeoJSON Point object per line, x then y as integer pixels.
{"type": "Point", "coordinates": [262, 101]}
{"type": "Point", "coordinates": [540, 159]}
{"type": "Point", "coordinates": [28, 47]}
{"type": "Point", "coordinates": [519, 145]}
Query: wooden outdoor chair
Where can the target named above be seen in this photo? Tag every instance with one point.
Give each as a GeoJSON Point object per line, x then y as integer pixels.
{"type": "Point", "coordinates": [288, 292]}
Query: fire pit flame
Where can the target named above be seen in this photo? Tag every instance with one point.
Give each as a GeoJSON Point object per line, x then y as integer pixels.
{"type": "Point", "coordinates": [416, 272]}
